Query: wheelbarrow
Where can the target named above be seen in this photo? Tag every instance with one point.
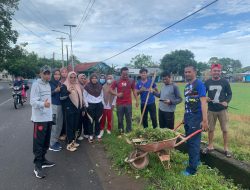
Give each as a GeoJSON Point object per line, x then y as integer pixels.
{"type": "Point", "coordinates": [139, 159]}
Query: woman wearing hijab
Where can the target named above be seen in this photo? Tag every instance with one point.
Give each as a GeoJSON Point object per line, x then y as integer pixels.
{"type": "Point", "coordinates": [71, 95]}
{"type": "Point", "coordinates": [109, 103]}
{"type": "Point", "coordinates": [93, 96]}
{"type": "Point", "coordinates": [83, 123]}
{"type": "Point", "coordinates": [64, 74]}
{"type": "Point", "coordinates": [55, 85]}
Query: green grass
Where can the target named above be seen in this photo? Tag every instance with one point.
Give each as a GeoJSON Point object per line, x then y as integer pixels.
{"type": "Point", "coordinates": [158, 178]}
{"type": "Point", "coordinates": [206, 178]}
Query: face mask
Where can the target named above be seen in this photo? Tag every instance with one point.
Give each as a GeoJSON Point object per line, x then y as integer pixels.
{"type": "Point", "coordinates": [109, 81]}
{"type": "Point", "coordinates": [102, 81]}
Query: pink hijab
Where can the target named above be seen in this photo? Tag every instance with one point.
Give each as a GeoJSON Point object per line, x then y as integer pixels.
{"type": "Point", "coordinates": [76, 95]}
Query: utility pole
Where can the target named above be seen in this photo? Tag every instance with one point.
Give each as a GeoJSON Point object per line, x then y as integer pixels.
{"type": "Point", "coordinates": [67, 50]}
{"type": "Point", "coordinates": [53, 63]}
{"type": "Point", "coordinates": [71, 51]}
{"type": "Point", "coordinates": [62, 49]}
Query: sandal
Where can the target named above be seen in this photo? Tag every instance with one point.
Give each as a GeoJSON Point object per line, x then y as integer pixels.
{"type": "Point", "coordinates": [228, 154]}
{"type": "Point", "coordinates": [207, 150]}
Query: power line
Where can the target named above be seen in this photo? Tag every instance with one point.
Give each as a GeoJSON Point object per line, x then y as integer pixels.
{"type": "Point", "coordinates": [33, 32]}
{"type": "Point", "coordinates": [40, 15]}
{"type": "Point", "coordinates": [162, 30]}
{"type": "Point", "coordinates": [84, 18]}
{"type": "Point", "coordinates": [45, 28]}
{"type": "Point", "coordinates": [84, 13]}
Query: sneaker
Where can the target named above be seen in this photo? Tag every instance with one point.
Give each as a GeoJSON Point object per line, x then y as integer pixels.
{"type": "Point", "coordinates": [59, 145]}
{"type": "Point", "coordinates": [121, 131]}
{"type": "Point", "coordinates": [186, 173]}
{"type": "Point", "coordinates": [75, 144]}
{"type": "Point", "coordinates": [71, 148]}
{"type": "Point", "coordinates": [48, 164]}
{"type": "Point", "coordinates": [109, 132]}
{"type": "Point", "coordinates": [39, 173]}
{"type": "Point", "coordinates": [80, 138]}
{"type": "Point", "coordinates": [101, 133]}
{"type": "Point", "coordinates": [62, 138]}
{"type": "Point", "coordinates": [99, 138]}
{"type": "Point", "coordinates": [85, 136]}
{"type": "Point", "coordinates": [55, 147]}
{"type": "Point", "coordinates": [227, 154]}
{"type": "Point", "coordinates": [91, 139]}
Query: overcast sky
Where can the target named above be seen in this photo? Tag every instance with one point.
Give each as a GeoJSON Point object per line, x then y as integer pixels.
{"type": "Point", "coordinates": [221, 30]}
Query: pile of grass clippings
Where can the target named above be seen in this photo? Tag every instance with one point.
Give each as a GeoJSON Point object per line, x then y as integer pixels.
{"type": "Point", "coordinates": [150, 135]}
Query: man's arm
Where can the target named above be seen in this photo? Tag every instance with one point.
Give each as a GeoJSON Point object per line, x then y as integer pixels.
{"type": "Point", "coordinates": [203, 99]}
{"type": "Point", "coordinates": [135, 93]}
{"type": "Point", "coordinates": [178, 98]}
{"type": "Point", "coordinates": [113, 91]}
{"type": "Point", "coordinates": [204, 113]}
{"type": "Point", "coordinates": [228, 93]}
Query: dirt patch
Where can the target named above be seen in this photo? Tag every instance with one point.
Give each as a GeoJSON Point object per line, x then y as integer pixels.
{"type": "Point", "coordinates": [108, 177]}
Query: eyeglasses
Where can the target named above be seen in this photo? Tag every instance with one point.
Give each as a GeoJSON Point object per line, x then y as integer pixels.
{"type": "Point", "coordinates": [73, 77]}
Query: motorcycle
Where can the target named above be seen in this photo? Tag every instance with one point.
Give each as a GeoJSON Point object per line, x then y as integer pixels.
{"type": "Point", "coordinates": [19, 95]}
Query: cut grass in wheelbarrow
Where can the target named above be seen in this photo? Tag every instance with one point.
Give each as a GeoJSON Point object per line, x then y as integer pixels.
{"type": "Point", "coordinates": [159, 141]}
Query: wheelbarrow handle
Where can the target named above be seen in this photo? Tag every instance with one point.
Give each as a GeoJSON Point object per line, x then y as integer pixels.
{"type": "Point", "coordinates": [178, 126]}
{"type": "Point", "coordinates": [184, 139]}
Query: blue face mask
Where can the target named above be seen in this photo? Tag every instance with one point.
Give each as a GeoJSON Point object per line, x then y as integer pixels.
{"type": "Point", "coordinates": [102, 81]}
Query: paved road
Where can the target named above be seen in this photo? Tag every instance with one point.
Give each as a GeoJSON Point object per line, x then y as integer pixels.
{"type": "Point", "coordinates": [5, 93]}
{"type": "Point", "coordinates": [73, 170]}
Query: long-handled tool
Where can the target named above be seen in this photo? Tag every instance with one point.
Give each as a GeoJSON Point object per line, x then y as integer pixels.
{"type": "Point", "coordinates": [215, 102]}
{"type": "Point", "coordinates": [149, 91]}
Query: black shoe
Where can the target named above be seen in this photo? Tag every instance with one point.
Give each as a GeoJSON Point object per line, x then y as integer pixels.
{"type": "Point", "coordinates": [39, 173]}
{"type": "Point", "coordinates": [48, 164]}
{"type": "Point", "coordinates": [121, 131]}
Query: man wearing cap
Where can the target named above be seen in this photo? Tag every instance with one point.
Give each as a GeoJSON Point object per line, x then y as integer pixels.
{"type": "Point", "coordinates": [40, 100]}
{"type": "Point", "coordinates": [219, 96]}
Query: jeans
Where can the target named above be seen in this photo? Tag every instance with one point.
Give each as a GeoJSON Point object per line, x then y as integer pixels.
{"type": "Point", "coordinates": [56, 129]}
{"type": "Point", "coordinates": [127, 111]}
{"type": "Point", "coordinates": [193, 123]}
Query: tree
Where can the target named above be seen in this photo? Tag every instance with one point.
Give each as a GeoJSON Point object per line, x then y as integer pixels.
{"type": "Point", "coordinates": [201, 67]}
{"type": "Point", "coordinates": [141, 61]}
{"type": "Point", "coordinates": [176, 61]}
{"type": "Point", "coordinates": [228, 65]}
{"type": "Point", "coordinates": [8, 36]}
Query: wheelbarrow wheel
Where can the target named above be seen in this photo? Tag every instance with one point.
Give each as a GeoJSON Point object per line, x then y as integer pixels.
{"type": "Point", "coordinates": [139, 163]}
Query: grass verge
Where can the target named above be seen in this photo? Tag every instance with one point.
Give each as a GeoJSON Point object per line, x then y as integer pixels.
{"type": "Point", "coordinates": [159, 178]}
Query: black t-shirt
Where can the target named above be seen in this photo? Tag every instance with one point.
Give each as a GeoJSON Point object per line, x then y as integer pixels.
{"type": "Point", "coordinates": [218, 91]}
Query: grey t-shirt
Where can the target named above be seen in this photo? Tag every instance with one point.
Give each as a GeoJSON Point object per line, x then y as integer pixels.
{"type": "Point", "coordinates": [172, 93]}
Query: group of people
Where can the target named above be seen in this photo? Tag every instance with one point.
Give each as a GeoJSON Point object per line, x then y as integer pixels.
{"type": "Point", "coordinates": [71, 107]}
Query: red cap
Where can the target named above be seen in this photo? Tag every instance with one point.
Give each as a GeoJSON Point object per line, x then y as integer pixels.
{"type": "Point", "coordinates": [216, 65]}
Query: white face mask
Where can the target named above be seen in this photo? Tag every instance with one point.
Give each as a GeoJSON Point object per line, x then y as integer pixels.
{"type": "Point", "coordinates": [109, 81]}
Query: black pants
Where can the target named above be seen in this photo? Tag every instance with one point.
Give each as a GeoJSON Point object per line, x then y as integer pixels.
{"type": "Point", "coordinates": [151, 108]}
{"type": "Point", "coordinates": [41, 140]}
{"type": "Point", "coordinates": [63, 132]}
{"type": "Point", "coordinates": [95, 112]}
{"type": "Point", "coordinates": [72, 123]}
{"type": "Point", "coordinates": [166, 119]}
{"type": "Point", "coordinates": [83, 125]}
